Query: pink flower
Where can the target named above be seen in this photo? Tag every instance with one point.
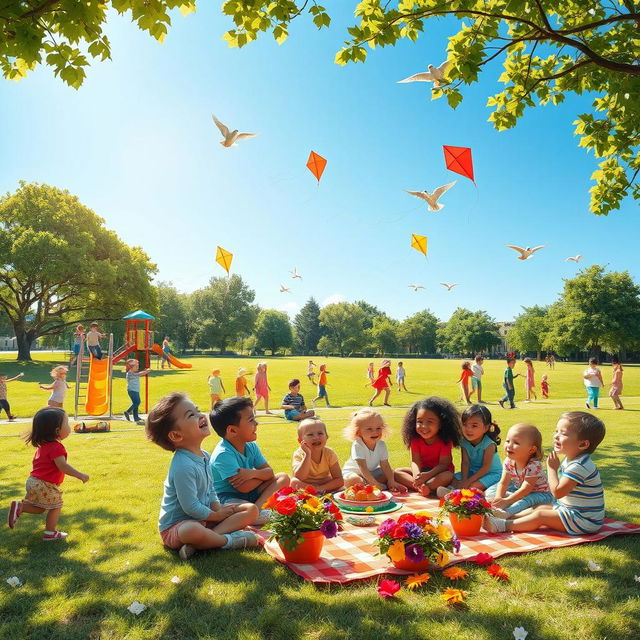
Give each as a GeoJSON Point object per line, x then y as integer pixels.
{"type": "Point", "coordinates": [388, 588]}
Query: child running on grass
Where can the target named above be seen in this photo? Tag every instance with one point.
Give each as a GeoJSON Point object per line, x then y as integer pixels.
{"type": "Point", "coordinates": [293, 403]}
{"type": "Point", "coordinates": [216, 388]}
{"type": "Point", "coordinates": [465, 375]}
{"type": "Point", "coordinates": [575, 483]}
{"type": "Point", "coordinates": [4, 403]}
{"type": "Point", "coordinates": [311, 374]}
{"type": "Point", "coordinates": [191, 517]}
{"type": "Point", "coordinates": [59, 386]}
{"type": "Point", "coordinates": [133, 388]}
{"type": "Point", "coordinates": [314, 463]}
{"type": "Point", "coordinates": [242, 388]}
{"type": "Point", "coordinates": [382, 383]}
{"type": "Point", "coordinates": [616, 383]}
{"type": "Point", "coordinates": [261, 386]}
{"type": "Point", "coordinates": [322, 386]}
{"type": "Point", "coordinates": [510, 390]}
{"type": "Point", "coordinates": [49, 428]}
{"type": "Point", "coordinates": [593, 381]}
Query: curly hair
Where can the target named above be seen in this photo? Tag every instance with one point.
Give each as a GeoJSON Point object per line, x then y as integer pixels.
{"type": "Point", "coordinates": [447, 414]}
{"type": "Point", "coordinates": [487, 420]}
{"type": "Point", "coordinates": [350, 432]}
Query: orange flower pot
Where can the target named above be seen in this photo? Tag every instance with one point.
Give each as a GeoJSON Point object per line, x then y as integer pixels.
{"type": "Point", "coordinates": [306, 552]}
{"type": "Point", "coordinates": [410, 565]}
{"type": "Point", "coordinates": [465, 527]}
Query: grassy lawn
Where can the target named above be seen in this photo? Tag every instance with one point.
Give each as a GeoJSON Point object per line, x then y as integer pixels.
{"type": "Point", "coordinates": [81, 588]}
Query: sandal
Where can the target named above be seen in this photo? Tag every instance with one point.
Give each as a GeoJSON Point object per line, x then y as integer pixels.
{"type": "Point", "coordinates": [54, 535]}
{"type": "Point", "coordinates": [14, 513]}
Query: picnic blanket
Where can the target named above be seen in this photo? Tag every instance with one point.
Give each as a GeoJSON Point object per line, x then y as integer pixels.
{"type": "Point", "coordinates": [351, 555]}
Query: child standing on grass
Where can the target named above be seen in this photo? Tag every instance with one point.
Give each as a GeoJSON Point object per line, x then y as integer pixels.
{"type": "Point", "coordinates": [575, 483]}
{"type": "Point", "coordinates": [293, 403]}
{"type": "Point", "coordinates": [77, 339]}
{"type": "Point", "coordinates": [369, 461]}
{"type": "Point", "coordinates": [465, 374]}
{"type": "Point", "coordinates": [242, 389]}
{"type": "Point", "coordinates": [50, 426]}
{"type": "Point", "coordinates": [430, 429]}
{"type": "Point", "coordinates": [370, 375]}
{"type": "Point", "coordinates": [191, 517]}
{"type": "Point", "coordinates": [311, 374]}
{"type": "Point", "coordinates": [93, 341]}
{"type": "Point", "coordinates": [382, 383]}
{"type": "Point", "coordinates": [261, 386]}
{"type": "Point", "coordinates": [133, 388]}
{"type": "Point", "coordinates": [216, 388]}
{"type": "Point", "coordinates": [59, 386]}
{"type": "Point", "coordinates": [314, 463]}
{"type": "Point", "coordinates": [592, 381]}
{"type": "Point", "coordinates": [510, 390]}
{"type": "Point", "coordinates": [544, 386]}
{"type": "Point", "coordinates": [530, 382]}
{"type": "Point", "coordinates": [616, 383]}
{"type": "Point", "coordinates": [322, 386]}
{"type": "Point", "coordinates": [166, 352]}
{"type": "Point", "coordinates": [400, 376]}
{"type": "Point", "coordinates": [476, 380]}
{"type": "Point", "coordinates": [4, 403]}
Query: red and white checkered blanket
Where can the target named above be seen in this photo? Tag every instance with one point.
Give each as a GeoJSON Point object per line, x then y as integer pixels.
{"type": "Point", "coordinates": [351, 555]}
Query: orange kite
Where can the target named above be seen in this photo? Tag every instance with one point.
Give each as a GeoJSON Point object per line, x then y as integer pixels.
{"type": "Point", "coordinates": [458, 159]}
{"type": "Point", "coordinates": [316, 164]}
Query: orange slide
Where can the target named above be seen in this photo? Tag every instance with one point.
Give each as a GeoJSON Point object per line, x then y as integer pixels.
{"type": "Point", "coordinates": [174, 361]}
{"type": "Point", "coordinates": [98, 387]}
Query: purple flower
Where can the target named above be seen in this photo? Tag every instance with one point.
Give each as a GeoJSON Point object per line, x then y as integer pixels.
{"type": "Point", "coordinates": [456, 543]}
{"type": "Point", "coordinates": [386, 527]}
{"type": "Point", "coordinates": [413, 530]}
{"type": "Point", "coordinates": [414, 552]}
{"type": "Point", "coordinates": [472, 504]}
{"type": "Point", "coordinates": [329, 528]}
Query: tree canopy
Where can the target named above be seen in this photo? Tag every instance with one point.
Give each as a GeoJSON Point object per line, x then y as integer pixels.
{"type": "Point", "coordinates": [273, 330]}
{"type": "Point", "coordinates": [468, 332]}
{"type": "Point", "coordinates": [344, 322]}
{"type": "Point", "coordinates": [530, 329]}
{"type": "Point", "coordinates": [307, 327]}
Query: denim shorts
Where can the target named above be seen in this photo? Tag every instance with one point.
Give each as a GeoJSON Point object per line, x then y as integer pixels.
{"type": "Point", "coordinates": [322, 391]}
{"type": "Point", "coordinates": [290, 414]}
{"type": "Point", "coordinates": [252, 496]}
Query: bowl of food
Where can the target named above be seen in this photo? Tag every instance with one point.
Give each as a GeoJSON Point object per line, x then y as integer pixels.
{"type": "Point", "coordinates": [361, 495]}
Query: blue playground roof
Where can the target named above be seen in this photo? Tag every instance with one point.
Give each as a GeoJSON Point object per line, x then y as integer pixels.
{"type": "Point", "coordinates": [139, 315]}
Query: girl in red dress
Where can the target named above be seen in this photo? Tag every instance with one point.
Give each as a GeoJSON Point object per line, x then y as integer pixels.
{"type": "Point", "coordinates": [382, 383]}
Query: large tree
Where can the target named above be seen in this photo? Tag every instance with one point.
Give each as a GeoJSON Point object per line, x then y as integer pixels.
{"type": "Point", "coordinates": [417, 333]}
{"type": "Point", "coordinates": [468, 332]}
{"type": "Point", "coordinates": [172, 319]}
{"type": "Point", "coordinates": [529, 330]}
{"type": "Point", "coordinates": [344, 322]}
{"type": "Point", "coordinates": [307, 327]}
{"type": "Point", "coordinates": [273, 330]}
{"type": "Point", "coordinates": [60, 265]}
{"type": "Point", "coordinates": [384, 334]}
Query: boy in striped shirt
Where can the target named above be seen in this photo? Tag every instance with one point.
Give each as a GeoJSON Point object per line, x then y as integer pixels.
{"type": "Point", "coordinates": [575, 483]}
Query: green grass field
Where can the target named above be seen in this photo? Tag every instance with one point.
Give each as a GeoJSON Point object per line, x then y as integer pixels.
{"type": "Point", "coordinates": [81, 588]}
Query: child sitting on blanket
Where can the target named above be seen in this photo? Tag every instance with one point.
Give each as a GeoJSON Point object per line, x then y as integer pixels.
{"type": "Point", "coordinates": [314, 463]}
{"type": "Point", "coordinates": [575, 484]}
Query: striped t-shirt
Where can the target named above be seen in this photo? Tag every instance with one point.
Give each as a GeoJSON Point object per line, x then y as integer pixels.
{"type": "Point", "coordinates": [297, 402]}
{"type": "Point", "coordinates": [582, 510]}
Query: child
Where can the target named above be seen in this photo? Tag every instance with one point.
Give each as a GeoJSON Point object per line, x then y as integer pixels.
{"type": "Point", "coordinates": [133, 388]}
{"type": "Point", "coordinates": [242, 389]}
{"type": "Point", "coordinates": [370, 375]}
{"type": "Point", "coordinates": [50, 426]}
{"type": "Point", "coordinates": [293, 403]}
{"type": "Point", "coordinates": [530, 383]}
{"type": "Point", "coordinates": [240, 472]}
{"type": "Point", "coordinates": [261, 386]}
{"type": "Point", "coordinates": [400, 376]}
{"type": "Point", "coordinates": [382, 383]}
{"type": "Point", "coordinates": [310, 372]}
{"type": "Point", "coordinates": [191, 517]}
{"type": "Point", "coordinates": [93, 341]}
{"type": "Point", "coordinates": [507, 383]}
{"type": "Point", "coordinates": [523, 483]}
{"type": "Point", "coordinates": [322, 386]}
{"type": "Point", "coordinates": [544, 386]}
{"type": "Point", "coordinates": [593, 381]}
{"type": "Point", "coordinates": [575, 484]}
{"type": "Point", "coordinates": [77, 339]}
{"type": "Point", "coordinates": [216, 388]}
{"type": "Point", "coordinates": [314, 463]}
{"type": "Point", "coordinates": [431, 428]}
{"type": "Point", "coordinates": [464, 380]}
{"type": "Point", "coordinates": [476, 380]}
{"type": "Point", "coordinates": [166, 352]}
{"type": "Point", "coordinates": [616, 383]}
{"type": "Point", "coordinates": [4, 403]}
{"type": "Point", "coordinates": [58, 388]}
{"type": "Point", "coordinates": [481, 466]}
{"type": "Point", "coordinates": [369, 461]}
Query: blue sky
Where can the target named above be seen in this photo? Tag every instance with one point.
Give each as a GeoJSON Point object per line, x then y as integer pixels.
{"type": "Point", "coordinates": [137, 144]}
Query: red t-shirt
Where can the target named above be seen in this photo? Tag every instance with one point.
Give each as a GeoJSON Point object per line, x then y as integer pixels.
{"type": "Point", "coordinates": [430, 454]}
{"type": "Point", "coordinates": [44, 466]}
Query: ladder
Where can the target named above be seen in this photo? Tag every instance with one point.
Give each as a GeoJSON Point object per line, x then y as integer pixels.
{"type": "Point", "coordinates": [83, 363]}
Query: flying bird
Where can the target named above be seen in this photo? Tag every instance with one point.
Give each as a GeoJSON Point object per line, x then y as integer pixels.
{"type": "Point", "coordinates": [449, 286]}
{"type": "Point", "coordinates": [284, 289]}
{"type": "Point", "coordinates": [230, 137]}
{"type": "Point", "coordinates": [432, 198]}
{"type": "Point", "coordinates": [295, 274]}
{"type": "Point", "coordinates": [574, 259]}
{"type": "Point", "coordinates": [435, 75]}
{"type": "Point", "coordinates": [415, 287]}
{"type": "Point", "coordinates": [525, 253]}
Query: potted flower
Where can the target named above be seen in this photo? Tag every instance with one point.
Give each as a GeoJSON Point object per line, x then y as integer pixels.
{"type": "Point", "coordinates": [415, 541]}
{"type": "Point", "coordinates": [465, 507]}
{"type": "Point", "coordinates": [300, 522]}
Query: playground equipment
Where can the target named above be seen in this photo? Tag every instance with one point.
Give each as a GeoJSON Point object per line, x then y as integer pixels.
{"type": "Point", "coordinates": [157, 349]}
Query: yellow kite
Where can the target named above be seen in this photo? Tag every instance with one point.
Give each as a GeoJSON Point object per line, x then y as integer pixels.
{"type": "Point", "coordinates": [419, 243]}
{"type": "Point", "coordinates": [224, 258]}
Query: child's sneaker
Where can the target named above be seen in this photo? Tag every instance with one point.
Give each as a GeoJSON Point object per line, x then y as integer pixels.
{"type": "Point", "coordinates": [14, 513]}
{"type": "Point", "coordinates": [241, 540]}
{"type": "Point", "coordinates": [586, 404]}
{"type": "Point", "coordinates": [263, 517]}
{"type": "Point", "coordinates": [499, 513]}
{"type": "Point", "coordinates": [12, 418]}
{"type": "Point", "coordinates": [49, 536]}
{"type": "Point", "coordinates": [141, 422]}
{"type": "Point", "coordinates": [127, 415]}
{"type": "Point", "coordinates": [493, 524]}
{"type": "Point", "coordinates": [186, 551]}
{"type": "Point", "coordinates": [441, 492]}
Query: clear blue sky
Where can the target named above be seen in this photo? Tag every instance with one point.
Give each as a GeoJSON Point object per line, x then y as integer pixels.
{"type": "Point", "coordinates": [137, 144]}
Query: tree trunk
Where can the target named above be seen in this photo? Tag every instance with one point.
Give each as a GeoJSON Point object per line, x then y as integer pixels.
{"type": "Point", "coordinates": [24, 339]}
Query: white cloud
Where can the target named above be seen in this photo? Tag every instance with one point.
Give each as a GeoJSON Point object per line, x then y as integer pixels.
{"type": "Point", "coordinates": [332, 299]}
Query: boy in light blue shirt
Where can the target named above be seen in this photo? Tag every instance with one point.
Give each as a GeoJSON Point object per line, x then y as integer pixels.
{"type": "Point", "coordinates": [191, 517]}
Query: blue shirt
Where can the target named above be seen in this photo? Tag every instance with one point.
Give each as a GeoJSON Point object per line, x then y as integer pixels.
{"type": "Point", "coordinates": [133, 381]}
{"type": "Point", "coordinates": [188, 489]}
{"type": "Point", "coordinates": [476, 455]}
{"type": "Point", "coordinates": [225, 462]}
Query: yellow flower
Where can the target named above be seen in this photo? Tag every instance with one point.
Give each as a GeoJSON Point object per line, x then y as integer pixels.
{"type": "Point", "coordinates": [455, 573]}
{"type": "Point", "coordinates": [442, 558]}
{"type": "Point", "coordinates": [314, 502]}
{"type": "Point", "coordinates": [416, 580]}
{"type": "Point", "coordinates": [369, 509]}
{"type": "Point", "coordinates": [425, 514]}
{"type": "Point", "coordinates": [453, 596]}
{"type": "Point", "coordinates": [444, 533]}
{"type": "Point", "coordinates": [465, 493]}
{"type": "Point", "coordinates": [396, 551]}
{"type": "Point", "coordinates": [308, 507]}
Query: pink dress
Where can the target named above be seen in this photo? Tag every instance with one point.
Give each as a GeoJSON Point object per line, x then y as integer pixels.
{"type": "Point", "coordinates": [616, 383]}
{"type": "Point", "coordinates": [261, 384]}
{"type": "Point", "coordinates": [530, 379]}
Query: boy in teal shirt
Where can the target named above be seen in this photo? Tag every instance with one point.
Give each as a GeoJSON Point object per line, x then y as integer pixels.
{"type": "Point", "coordinates": [508, 384]}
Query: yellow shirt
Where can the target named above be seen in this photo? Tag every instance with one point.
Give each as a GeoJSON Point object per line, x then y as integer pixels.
{"type": "Point", "coordinates": [320, 471]}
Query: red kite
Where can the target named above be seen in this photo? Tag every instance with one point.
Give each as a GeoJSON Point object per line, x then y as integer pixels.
{"type": "Point", "coordinates": [458, 159]}
{"type": "Point", "coordinates": [316, 165]}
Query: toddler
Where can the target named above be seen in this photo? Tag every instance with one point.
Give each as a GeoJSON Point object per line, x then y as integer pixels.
{"type": "Point", "coordinates": [575, 484]}
{"type": "Point", "coordinates": [93, 341]}
{"type": "Point", "coordinates": [593, 381]}
{"type": "Point", "coordinates": [431, 428]}
{"type": "Point", "coordinates": [314, 463]}
{"type": "Point", "coordinates": [544, 386]}
{"type": "Point", "coordinates": [4, 403]}
{"type": "Point", "coordinates": [242, 389]}
{"type": "Point", "coordinates": [523, 483]}
{"type": "Point", "coordinates": [191, 517]}
{"type": "Point", "coordinates": [59, 386]}
{"type": "Point", "coordinates": [50, 426]}
{"type": "Point", "coordinates": [216, 388]}
{"type": "Point", "coordinates": [369, 461]}
{"type": "Point", "coordinates": [322, 386]}
{"type": "Point", "coordinates": [293, 403]}
{"type": "Point", "coordinates": [133, 388]}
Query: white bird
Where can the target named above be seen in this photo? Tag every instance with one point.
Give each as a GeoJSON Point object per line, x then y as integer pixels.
{"type": "Point", "coordinates": [574, 259]}
{"type": "Point", "coordinates": [295, 274]}
{"type": "Point", "coordinates": [284, 289]}
{"type": "Point", "coordinates": [525, 253]}
{"type": "Point", "coordinates": [230, 137]}
{"type": "Point", "coordinates": [435, 75]}
{"type": "Point", "coordinates": [432, 198]}
{"type": "Point", "coordinates": [449, 286]}
{"type": "Point", "coordinates": [415, 287]}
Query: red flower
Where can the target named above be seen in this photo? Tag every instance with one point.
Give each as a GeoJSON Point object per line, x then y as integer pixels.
{"type": "Point", "coordinates": [311, 490]}
{"type": "Point", "coordinates": [286, 506]}
{"type": "Point", "coordinates": [407, 517]}
{"type": "Point", "coordinates": [442, 501]}
{"type": "Point", "coordinates": [496, 571]}
{"type": "Point", "coordinates": [483, 559]}
{"type": "Point", "coordinates": [331, 508]}
{"type": "Point", "coordinates": [398, 532]}
{"type": "Point", "coordinates": [369, 488]}
{"type": "Point", "coordinates": [457, 499]}
{"type": "Point", "coordinates": [285, 491]}
{"type": "Point", "coordinates": [388, 588]}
